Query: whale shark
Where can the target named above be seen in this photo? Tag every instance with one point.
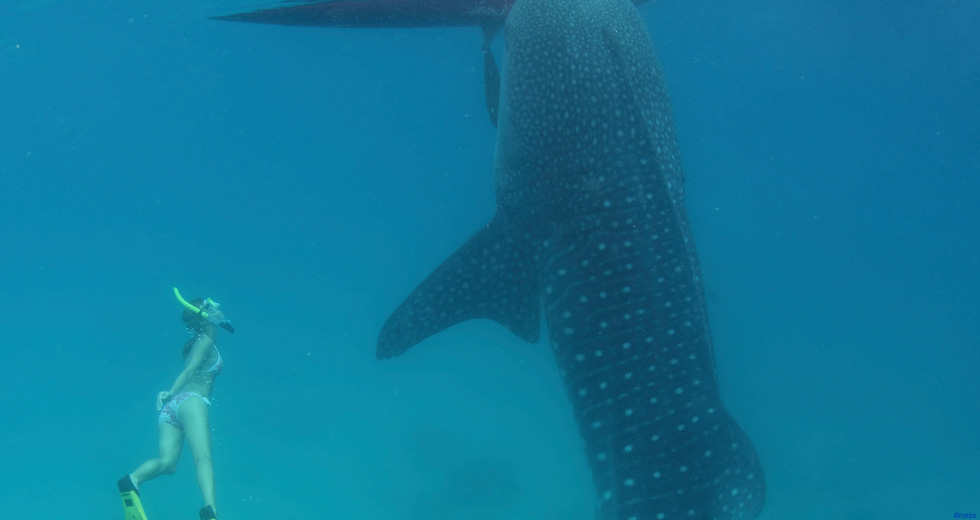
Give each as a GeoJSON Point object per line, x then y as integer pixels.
{"type": "Point", "coordinates": [591, 238]}
{"type": "Point", "coordinates": [591, 232]}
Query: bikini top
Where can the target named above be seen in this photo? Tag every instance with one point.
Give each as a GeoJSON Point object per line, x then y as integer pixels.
{"type": "Point", "coordinates": [216, 368]}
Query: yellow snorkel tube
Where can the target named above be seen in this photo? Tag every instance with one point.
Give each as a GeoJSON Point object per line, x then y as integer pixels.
{"type": "Point", "coordinates": [225, 324]}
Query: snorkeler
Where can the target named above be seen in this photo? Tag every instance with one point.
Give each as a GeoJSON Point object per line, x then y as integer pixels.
{"type": "Point", "coordinates": [184, 410]}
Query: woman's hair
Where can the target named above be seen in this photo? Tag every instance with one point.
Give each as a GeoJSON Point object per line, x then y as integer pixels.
{"type": "Point", "coordinates": [194, 322]}
{"type": "Point", "coordinates": [192, 319]}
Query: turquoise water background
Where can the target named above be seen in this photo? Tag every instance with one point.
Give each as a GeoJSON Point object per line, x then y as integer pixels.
{"type": "Point", "coordinates": [308, 179]}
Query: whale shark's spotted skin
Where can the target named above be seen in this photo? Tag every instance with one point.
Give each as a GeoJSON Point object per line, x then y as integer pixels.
{"type": "Point", "coordinates": [591, 227]}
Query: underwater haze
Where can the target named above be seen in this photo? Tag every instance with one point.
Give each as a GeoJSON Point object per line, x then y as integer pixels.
{"type": "Point", "coordinates": [309, 178]}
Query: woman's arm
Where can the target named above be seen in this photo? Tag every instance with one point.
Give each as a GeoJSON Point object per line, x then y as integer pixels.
{"type": "Point", "coordinates": [197, 354]}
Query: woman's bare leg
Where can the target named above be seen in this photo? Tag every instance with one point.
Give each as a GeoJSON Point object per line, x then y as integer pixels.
{"type": "Point", "coordinates": [171, 441]}
{"type": "Point", "coordinates": [194, 415]}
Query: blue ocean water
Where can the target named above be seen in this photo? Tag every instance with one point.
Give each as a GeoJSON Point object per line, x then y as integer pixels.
{"type": "Point", "coordinates": [308, 179]}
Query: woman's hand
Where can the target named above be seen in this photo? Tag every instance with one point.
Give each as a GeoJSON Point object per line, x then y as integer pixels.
{"type": "Point", "coordinates": [163, 397]}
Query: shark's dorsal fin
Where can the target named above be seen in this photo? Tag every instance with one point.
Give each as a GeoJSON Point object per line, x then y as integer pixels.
{"type": "Point", "coordinates": [491, 276]}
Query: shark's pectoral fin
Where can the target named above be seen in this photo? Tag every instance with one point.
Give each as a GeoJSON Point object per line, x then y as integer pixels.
{"type": "Point", "coordinates": [491, 276]}
{"type": "Point", "coordinates": [491, 74]}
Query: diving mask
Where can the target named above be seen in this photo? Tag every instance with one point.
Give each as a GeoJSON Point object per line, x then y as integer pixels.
{"type": "Point", "coordinates": [208, 305]}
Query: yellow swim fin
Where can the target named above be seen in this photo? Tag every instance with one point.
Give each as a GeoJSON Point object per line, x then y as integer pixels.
{"type": "Point", "coordinates": [132, 507]}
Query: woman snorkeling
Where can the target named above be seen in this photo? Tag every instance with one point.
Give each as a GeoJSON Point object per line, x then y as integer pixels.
{"type": "Point", "coordinates": [184, 410]}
